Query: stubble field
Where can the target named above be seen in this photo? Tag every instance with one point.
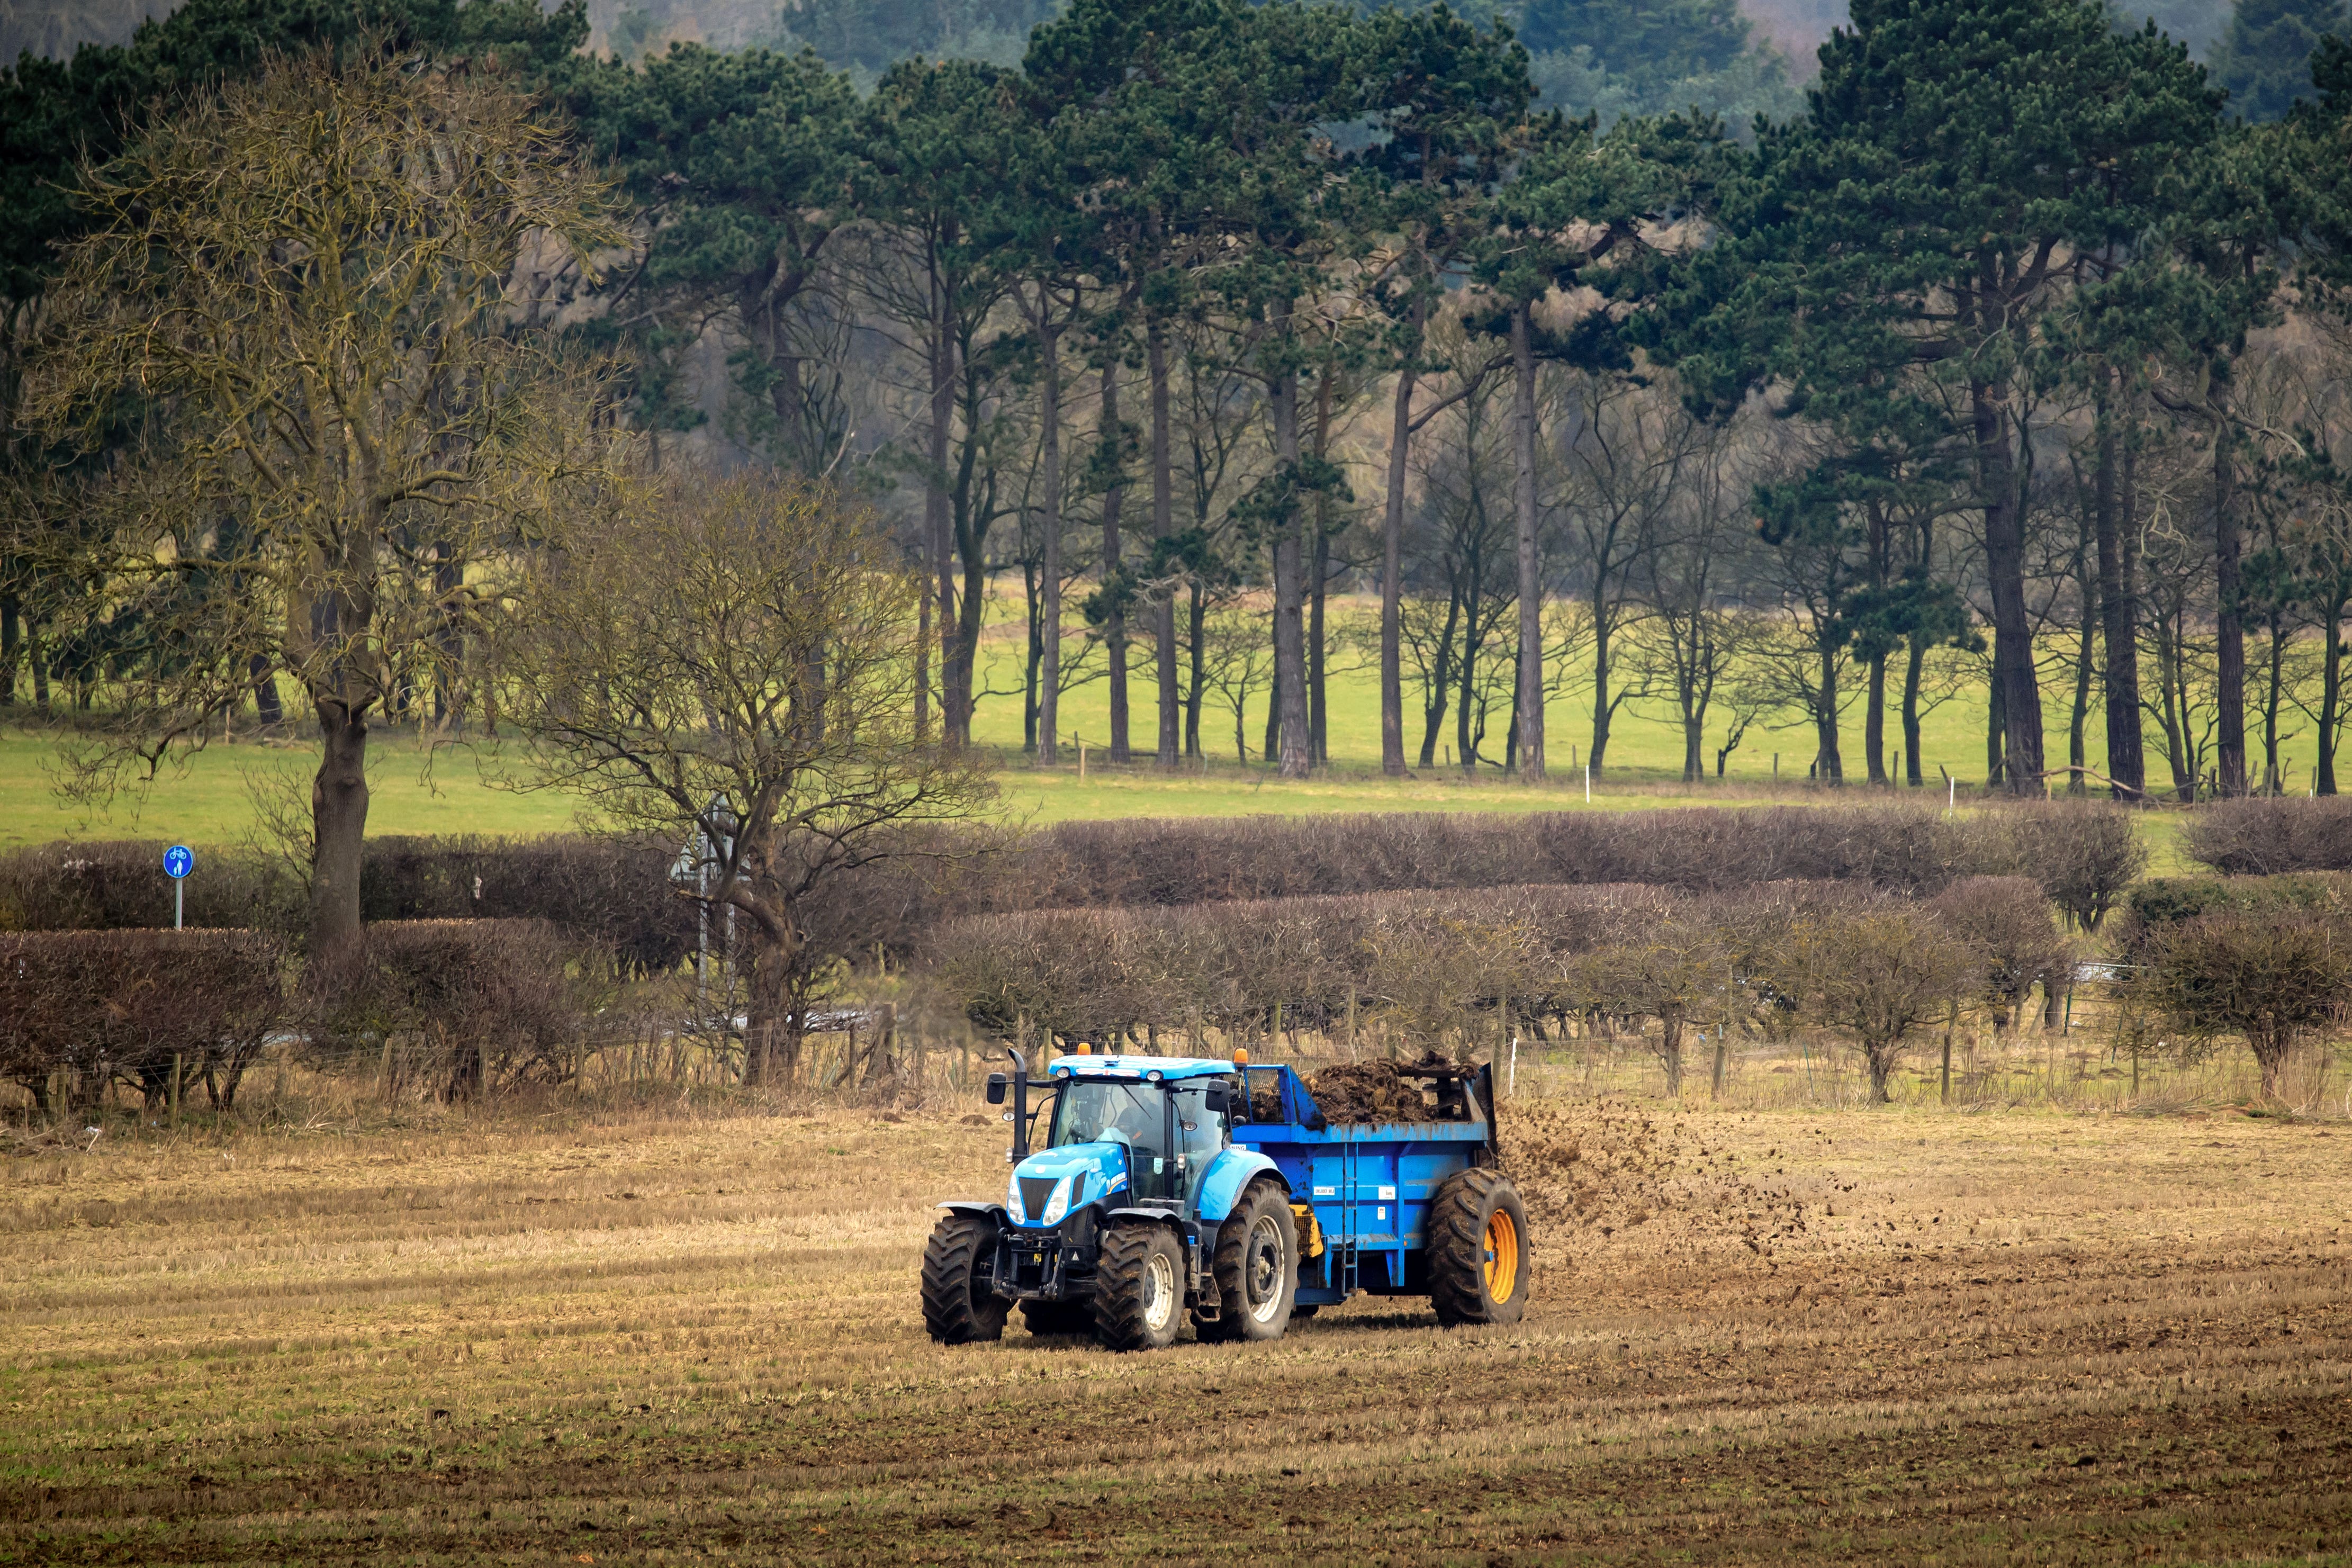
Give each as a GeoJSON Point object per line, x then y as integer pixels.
{"type": "Point", "coordinates": [1756, 1336]}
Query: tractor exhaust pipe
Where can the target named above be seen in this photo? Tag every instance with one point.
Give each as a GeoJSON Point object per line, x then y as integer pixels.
{"type": "Point", "coordinates": [1020, 1105]}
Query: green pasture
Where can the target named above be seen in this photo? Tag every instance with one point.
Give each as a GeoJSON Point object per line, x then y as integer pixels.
{"type": "Point", "coordinates": [208, 798]}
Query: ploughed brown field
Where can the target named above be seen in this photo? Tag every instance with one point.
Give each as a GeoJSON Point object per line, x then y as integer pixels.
{"type": "Point", "coordinates": [1852, 1336]}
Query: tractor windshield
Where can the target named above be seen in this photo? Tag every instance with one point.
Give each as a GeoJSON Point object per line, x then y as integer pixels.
{"type": "Point", "coordinates": [1135, 1114]}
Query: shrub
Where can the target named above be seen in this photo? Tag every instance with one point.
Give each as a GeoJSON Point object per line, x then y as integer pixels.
{"type": "Point", "coordinates": [466, 1006]}
{"type": "Point", "coordinates": [2265, 976]}
{"type": "Point", "coordinates": [2263, 837]}
{"type": "Point", "coordinates": [1878, 974]}
{"type": "Point", "coordinates": [2162, 902]}
{"type": "Point", "coordinates": [124, 1003]}
{"type": "Point", "coordinates": [2083, 855]}
{"type": "Point", "coordinates": [2007, 922]}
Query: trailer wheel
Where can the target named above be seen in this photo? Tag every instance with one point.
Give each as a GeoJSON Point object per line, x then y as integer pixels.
{"type": "Point", "coordinates": [1138, 1288]}
{"type": "Point", "coordinates": [1058, 1317]}
{"type": "Point", "coordinates": [1478, 1255]}
{"type": "Point", "coordinates": [1256, 1266]}
{"type": "Point", "coordinates": [960, 1301]}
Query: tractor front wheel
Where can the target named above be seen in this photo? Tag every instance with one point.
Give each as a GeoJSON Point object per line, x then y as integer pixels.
{"type": "Point", "coordinates": [1478, 1262]}
{"type": "Point", "coordinates": [1256, 1266]}
{"type": "Point", "coordinates": [1138, 1288]}
{"type": "Point", "coordinates": [960, 1301]}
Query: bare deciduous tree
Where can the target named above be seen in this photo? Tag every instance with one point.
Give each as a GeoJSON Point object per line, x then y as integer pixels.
{"type": "Point", "coordinates": [303, 290]}
{"type": "Point", "coordinates": [750, 639]}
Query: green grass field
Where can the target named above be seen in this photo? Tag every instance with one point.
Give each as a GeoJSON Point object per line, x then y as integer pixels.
{"type": "Point", "coordinates": [207, 799]}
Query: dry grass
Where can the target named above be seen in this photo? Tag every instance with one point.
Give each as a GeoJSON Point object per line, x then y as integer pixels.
{"type": "Point", "coordinates": [644, 1337]}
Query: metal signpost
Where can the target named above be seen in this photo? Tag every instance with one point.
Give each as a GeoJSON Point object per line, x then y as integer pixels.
{"type": "Point", "coordinates": [178, 861]}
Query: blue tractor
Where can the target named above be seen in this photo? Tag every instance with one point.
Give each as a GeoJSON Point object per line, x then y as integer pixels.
{"type": "Point", "coordinates": [1163, 1185]}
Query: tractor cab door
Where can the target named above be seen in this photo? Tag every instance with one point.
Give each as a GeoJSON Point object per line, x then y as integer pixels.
{"type": "Point", "coordinates": [1201, 1137]}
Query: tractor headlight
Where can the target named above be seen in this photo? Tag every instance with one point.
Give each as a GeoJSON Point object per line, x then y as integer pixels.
{"type": "Point", "coordinates": [1013, 1198]}
{"type": "Point", "coordinates": [1059, 1204]}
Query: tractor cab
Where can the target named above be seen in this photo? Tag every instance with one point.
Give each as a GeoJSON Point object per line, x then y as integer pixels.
{"type": "Point", "coordinates": [1108, 1144]}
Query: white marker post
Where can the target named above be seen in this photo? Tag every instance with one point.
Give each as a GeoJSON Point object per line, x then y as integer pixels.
{"type": "Point", "coordinates": [178, 861]}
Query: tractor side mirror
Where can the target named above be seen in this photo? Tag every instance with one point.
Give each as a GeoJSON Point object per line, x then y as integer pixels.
{"type": "Point", "coordinates": [1218, 1099]}
{"type": "Point", "coordinates": [996, 1088]}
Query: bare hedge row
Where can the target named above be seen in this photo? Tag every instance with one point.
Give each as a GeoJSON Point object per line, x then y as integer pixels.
{"type": "Point", "coordinates": [2270, 837]}
{"type": "Point", "coordinates": [2082, 855]}
{"type": "Point", "coordinates": [609, 894]}
{"type": "Point", "coordinates": [618, 894]}
{"type": "Point", "coordinates": [462, 1006]}
{"type": "Point", "coordinates": [1427, 962]}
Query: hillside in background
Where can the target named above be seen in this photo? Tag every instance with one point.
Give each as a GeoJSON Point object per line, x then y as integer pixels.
{"type": "Point", "coordinates": [865, 35]}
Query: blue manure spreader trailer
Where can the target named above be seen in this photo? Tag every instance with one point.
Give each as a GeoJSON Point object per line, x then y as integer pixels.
{"type": "Point", "coordinates": [1147, 1189]}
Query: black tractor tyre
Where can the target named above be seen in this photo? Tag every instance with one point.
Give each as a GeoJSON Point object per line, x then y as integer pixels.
{"type": "Point", "coordinates": [1479, 1256]}
{"type": "Point", "coordinates": [959, 1303]}
{"type": "Point", "coordinates": [1257, 1268]}
{"type": "Point", "coordinates": [1138, 1288]}
{"type": "Point", "coordinates": [1047, 1318]}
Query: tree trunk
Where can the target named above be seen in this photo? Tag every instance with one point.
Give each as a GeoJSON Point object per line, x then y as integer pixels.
{"type": "Point", "coordinates": [1163, 525]}
{"type": "Point", "coordinates": [2331, 697]}
{"type": "Point", "coordinates": [2274, 782]}
{"type": "Point", "coordinates": [1290, 631]}
{"type": "Point", "coordinates": [2229, 626]}
{"type": "Point", "coordinates": [1913, 669]}
{"type": "Point", "coordinates": [923, 665]}
{"type": "Point", "coordinates": [1873, 719]}
{"type": "Point", "coordinates": [768, 1006]}
{"type": "Point", "coordinates": [1670, 1047]}
{"type": "Point", "coordinates": [12, 640]}
{"type": "Point", "coordinates": [1049, 661]}
{"type": "Point", "coordinates": [1881, 1061]}
{"type": "Point", "coordinates": [267, 706]}
{"type": "Point", "coordinates": [2078, 719]}
{"type": "Point", "coordinates": [1318, 743]}
{"type": "Point", "coordinates": [955, 722]}
{"type": "Point", "coordinates": [1114, 561]}
{"type": "Point", "coordinates": [1832, 761]}
{"type": "Point", "coordinates": [2119, 620]}
{"type": "Point", "coordinates": [339, 808]}
{"type": "Point", "coordinates": [2013, 671]}
{"type": "Point", "coordinates": [1528, 708]}
{"type": "Point", "coordinates": [1996, 733]}
{"type": "Point", "coordinates": [1033, 610]}
{"type": "Point", "coordinates": [1199, 679]}
{"type": "Point", "coordinates": [1391, 569]}
{"type": "Point", "coordinates": [1698, 656]}
{"type": "Point", "coordinates": [1317, 712]}
{"type": "Point", "coordinates": [1434, 706]}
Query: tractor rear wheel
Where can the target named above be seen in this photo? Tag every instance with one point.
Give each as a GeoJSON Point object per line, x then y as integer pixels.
{"type": "Point", "coordinates": [1138, 1288]}
{"type": "Point", "coordinates": [1256, 1266]}
{"type": "Point", "coordinates": [1479, 1256]}
{"type": "Point", "coordinates": [959, 1303]}
{"type": "Point", "coordinates": [1058, 1317]}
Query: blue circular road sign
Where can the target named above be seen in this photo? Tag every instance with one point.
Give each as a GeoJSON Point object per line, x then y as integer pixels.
{"type": "Point", "coordinates": [179, 860]}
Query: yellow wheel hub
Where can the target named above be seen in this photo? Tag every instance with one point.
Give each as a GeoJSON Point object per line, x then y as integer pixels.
{"type": "Point", "coordinates": [1502, 1256]}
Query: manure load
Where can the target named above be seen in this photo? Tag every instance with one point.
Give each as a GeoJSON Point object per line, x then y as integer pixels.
{"type": "Point", "coordinates": [1145, 1190]}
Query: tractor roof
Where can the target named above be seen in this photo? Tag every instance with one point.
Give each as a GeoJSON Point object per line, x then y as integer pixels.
{"type": "Point", "coordinates": [1151, 1067]}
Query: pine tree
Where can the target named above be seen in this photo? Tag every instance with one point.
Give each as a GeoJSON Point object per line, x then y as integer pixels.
{"type": "Point", "coordinates": [2264, 60]}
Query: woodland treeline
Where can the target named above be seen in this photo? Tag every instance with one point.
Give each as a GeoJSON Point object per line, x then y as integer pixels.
{"type": "Point", "coordinates": [2010, 359]}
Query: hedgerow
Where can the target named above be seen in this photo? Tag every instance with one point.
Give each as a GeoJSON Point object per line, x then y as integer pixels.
{"type": "Point", "coordinates": [81, 1008]}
